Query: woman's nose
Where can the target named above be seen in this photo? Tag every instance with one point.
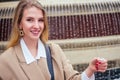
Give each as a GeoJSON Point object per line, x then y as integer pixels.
{"type": "Point", "coordinates": [36, 24]}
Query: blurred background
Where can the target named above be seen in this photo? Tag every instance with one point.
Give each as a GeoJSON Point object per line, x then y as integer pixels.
{"type": "Point", "coordinates": [84, 29]}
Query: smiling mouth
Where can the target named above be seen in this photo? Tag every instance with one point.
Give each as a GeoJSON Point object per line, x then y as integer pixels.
{"type": "Point", "coordinates": [36, 32]}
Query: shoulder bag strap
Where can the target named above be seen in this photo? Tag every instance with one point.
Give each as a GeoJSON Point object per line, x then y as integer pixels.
{"type": "Point", "coordinates": [49, 62]}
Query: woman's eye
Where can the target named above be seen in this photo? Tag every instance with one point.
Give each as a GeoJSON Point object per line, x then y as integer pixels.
{"type": "Point", "coordinates": [41, 20]}
{"type": "Point", "coordinates": [29, 20]}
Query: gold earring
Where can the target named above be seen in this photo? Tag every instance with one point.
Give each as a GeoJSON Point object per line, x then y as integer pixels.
{"type": "Point", "coordinates": [21, 32]}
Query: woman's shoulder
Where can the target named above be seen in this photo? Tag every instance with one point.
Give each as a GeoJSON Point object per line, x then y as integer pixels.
{"type": "Point", "coordinates": [54, 45]}
{"type": "Point", "coordinates": [55, 49]}
{"type": "Point", "coordinates": [7, 54]}
{"type": "Point", "coordinates": [7, 51]}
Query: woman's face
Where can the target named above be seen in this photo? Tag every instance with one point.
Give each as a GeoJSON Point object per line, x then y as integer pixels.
{"type": "Point", "coordinates": [32, 23]}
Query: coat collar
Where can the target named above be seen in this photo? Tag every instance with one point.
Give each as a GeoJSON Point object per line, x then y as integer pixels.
{"type": "Point", "coordinates": [27, 54]}
{"type": "Point", "coordinates": [19, 53]}
{"type": "Point", "coordinates": [20, 56]}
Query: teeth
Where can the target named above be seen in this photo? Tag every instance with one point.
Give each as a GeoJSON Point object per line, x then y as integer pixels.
{"type": "Point", "coordinates": [35, 32]}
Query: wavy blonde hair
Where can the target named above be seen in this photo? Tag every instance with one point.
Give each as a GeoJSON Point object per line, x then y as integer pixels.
{"type": "Point", "coordinates": [22, 5]}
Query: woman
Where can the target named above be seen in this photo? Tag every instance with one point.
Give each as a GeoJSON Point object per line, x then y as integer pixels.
{"type": "Point", "coordinates": [26, 58]}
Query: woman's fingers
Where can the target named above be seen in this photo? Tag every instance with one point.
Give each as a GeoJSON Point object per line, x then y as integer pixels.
{"type": "Point", "coordinates": [101, 64]}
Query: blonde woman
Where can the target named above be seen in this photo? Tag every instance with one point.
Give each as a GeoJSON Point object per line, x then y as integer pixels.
{"type": "Point", "coordinates": [26, 57]}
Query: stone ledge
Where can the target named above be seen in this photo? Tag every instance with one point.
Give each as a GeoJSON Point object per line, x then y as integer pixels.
{"type": "Point", "coordinates": [86, 43]}
{"type": "Point", "coordinates": [81, 43]}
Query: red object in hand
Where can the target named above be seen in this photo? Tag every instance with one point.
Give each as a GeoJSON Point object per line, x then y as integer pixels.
{"type": "Point", "coordinates": [97, 63]}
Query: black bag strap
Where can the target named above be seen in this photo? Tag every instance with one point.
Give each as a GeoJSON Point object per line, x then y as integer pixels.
{"type": "Point", "coordinates": [49, 62]}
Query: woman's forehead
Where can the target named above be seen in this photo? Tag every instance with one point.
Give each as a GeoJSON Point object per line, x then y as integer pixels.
{"type": "Point", "coordinates": [33, 11]}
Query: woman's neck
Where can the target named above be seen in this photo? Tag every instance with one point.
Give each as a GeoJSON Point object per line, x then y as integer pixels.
{"type": "Point", "coordinates": [32, 46]}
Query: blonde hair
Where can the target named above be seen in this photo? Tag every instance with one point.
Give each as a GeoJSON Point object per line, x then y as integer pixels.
{"type": "Point", "coordinates": [24, 4]}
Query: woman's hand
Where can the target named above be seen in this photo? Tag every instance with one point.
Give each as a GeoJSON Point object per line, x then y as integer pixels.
{"type": "Point", "coordinates": [97, 64]}
{"type": "Point", "coordinates": [101, 64]}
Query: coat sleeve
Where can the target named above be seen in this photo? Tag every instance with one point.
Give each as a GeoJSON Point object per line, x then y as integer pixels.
{"type": "Point", "coordinates": [69, 72]}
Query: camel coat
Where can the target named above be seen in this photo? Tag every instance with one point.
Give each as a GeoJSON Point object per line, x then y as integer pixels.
{"type": "Point", "coordinates": [13, 66]}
